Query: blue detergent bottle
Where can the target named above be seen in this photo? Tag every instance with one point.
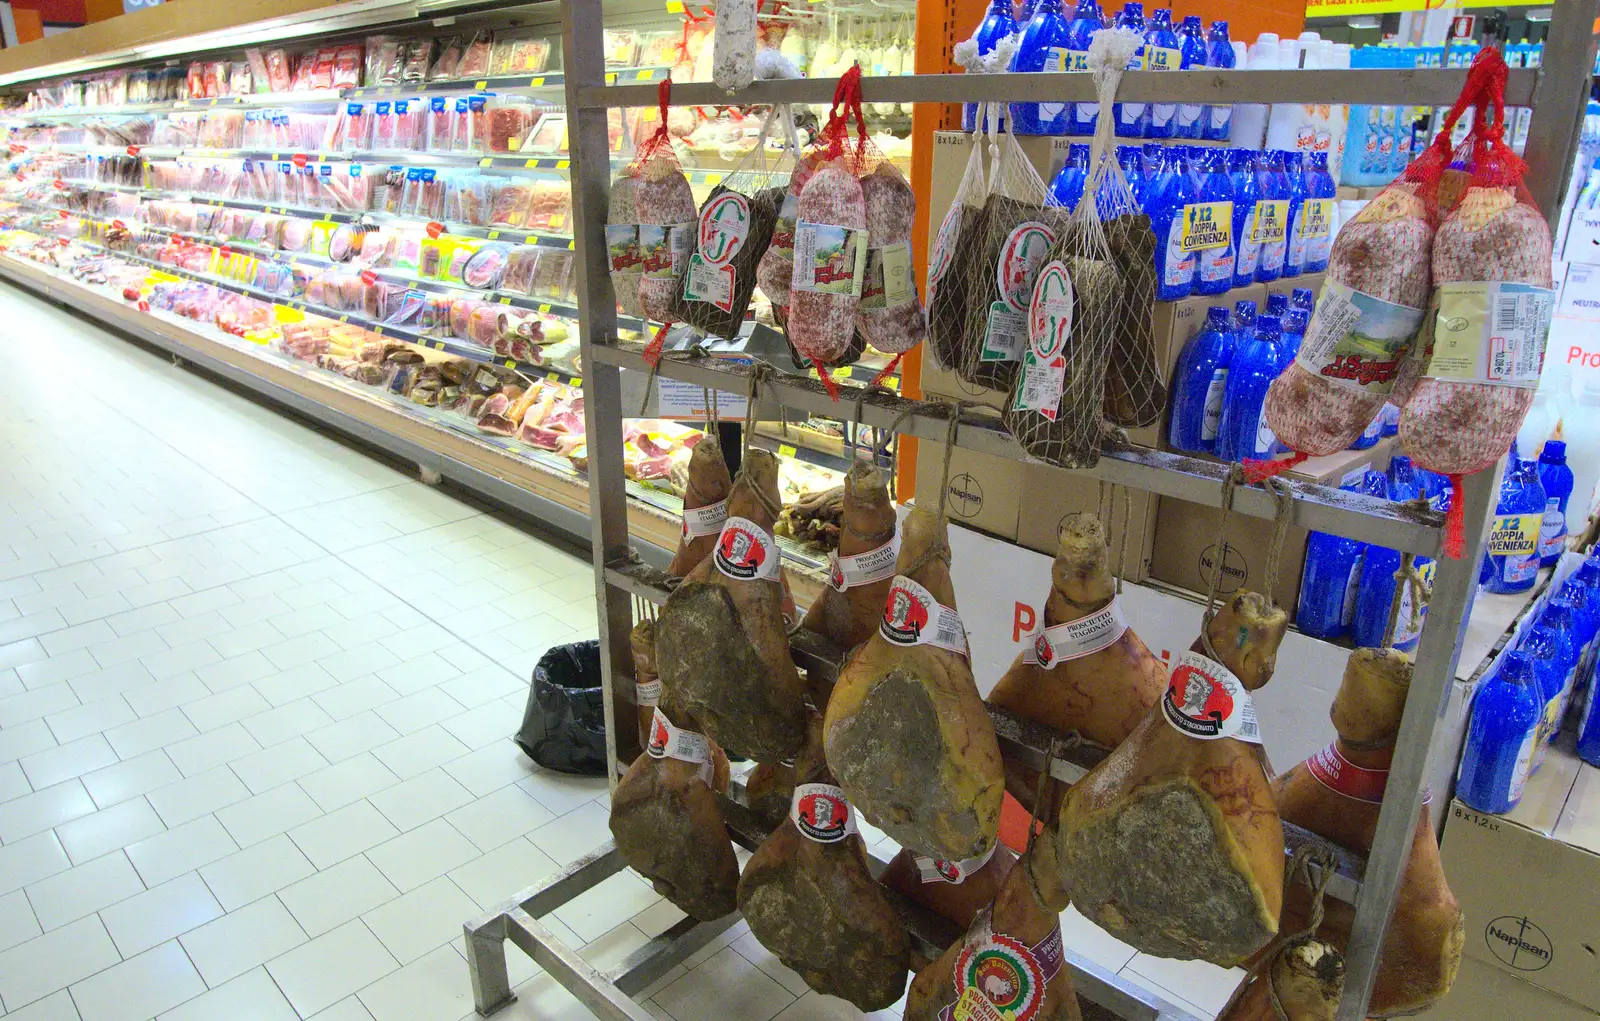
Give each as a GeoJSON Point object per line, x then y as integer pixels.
{"type": "Point", "coordinates": [1370, 435]}
{"type": "Point", "coordinates": [1246, 190]}
{"type": "Point", "coordinates": [1556, 478]}
{"type": "Point", "coordinates": [1589, 725]}
{"type": "Point", "coordinates": [1513, 549]}
{"type": "Point", "coordinates": [1295, 322]}
{"type": "Point", "coordinates": [1196, 54]}
{"type": "Point", "coordinates": [1086, 21]}
{"type": "Point", "coordinates": [1391, 419]}
{"type": "Point", "coordinates": [1067, 188]}
{"type": "Point", "coordinates": [1043, 47]}
{"type": "Point", "coordinates": [1162, 52]}
{"type": "Point", "coordinates": [1277, 305]}
{"type": "Point", "coordinates": [1295, 251]}
{"type": "Point", "coordinates": [1244, 320]}
{"type": "Point", "coordinates": [1552, 655]}
{"type": "Point", "coordinates": [1131, 118]}
{"type": "Point", "coordinates": [1500, 742]}
{"type": "Point", "coordinates": [1199, 381]}
{"type": "Point", "coordinates": [1211, 224]}
{"type": "Point", "coordinates": [1243, 431]}
{"type": "Point", "coordinates": [1403, 481]}
{"type": "Point", "coordinates": [1376, 591]}
{"type": "Point", "coordinates": [1168, 196]}
{"type": "Point", "coordinates": [1561, 619]}
{"type": "Point", "coordinates": [1332, 577]}
{"type": "Point", "coordinates": [996, 25]}
{"type": "Point", "coordinates": [1314, 227]}
{"type": "Point", "coordinates": [1272, 215]}
{"type": "Point", "coordinates": [1219, 53]}
{"type": "Point", "coordinates": [1303, 298]}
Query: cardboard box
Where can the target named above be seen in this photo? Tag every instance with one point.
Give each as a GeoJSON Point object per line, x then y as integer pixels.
{"type": "Point", "coordinates": [1583, 237]}
{"type": "Point", "coordinates": [1184, 547]}
{"type": "Point", "coordinates": [1478, 985]}
{"type": "Point", "coordinates": [1051, 494]}
{"type": "Point", "coordinates": [1529, 881]}
{"type": "Point", "coordinates": [938, 382]}
{"type": "Point", "coordinates": [984, 492]}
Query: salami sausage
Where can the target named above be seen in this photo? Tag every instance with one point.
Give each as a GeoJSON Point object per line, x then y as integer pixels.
{"type": "Point", "coordinates": [891, 317]}
{"type": "Point", "coordinates": [829, 263]}
{"type": "Point", "coordinates": [667, 216]}
{"type": "Point", "coordinates": [622, 243]}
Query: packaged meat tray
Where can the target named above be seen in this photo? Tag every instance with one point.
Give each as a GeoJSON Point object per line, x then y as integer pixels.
{"type": "Point", "coordinates": [486, 266]}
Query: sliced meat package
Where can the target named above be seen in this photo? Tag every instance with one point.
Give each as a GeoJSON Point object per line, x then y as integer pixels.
{"type": "Point", "coordinates": [956, 890]}
{"type": "Point", "coordinates": [666, 818]}
{"type": "Point", "coordinates": [1172, 843]}
{"type": "Point", "coordinates": [1083, 670]}
{"type": "Point", "coordinates": [1337, 794]}
{"type": "Point", "coordinates": [890, 316]}
{"type": "Point", "coordinates": [811, 900]}
{"type": "Point", "coordinates": [906, 733]}
{"type": "Point", "coordinates": [850, 606]}
{"type": "Point", "coordinates": [722, 645]}
{"type": "Point", "coordinates": [705, 505]}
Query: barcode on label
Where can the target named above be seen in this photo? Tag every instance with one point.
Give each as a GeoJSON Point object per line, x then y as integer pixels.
{"type": "Point", "coordinates": [1249, 729]}
{"type": "Point", "coordinates": [1505, 314]}
{"type": "Point", "coordinates": [948, 635]}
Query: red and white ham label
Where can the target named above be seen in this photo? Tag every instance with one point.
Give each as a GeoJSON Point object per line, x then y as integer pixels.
{"type": "Point", "coordinates": [821, 812]}
{"type": "Point", "coordinates": [1490, 332]}
{"type": "Point", "coordinates": [746, 551]}
{"type": "Point", "coordinates": [863, 568]}
{"type": "Point", "coordinates": [936, 870]}
{"type": "Point", "coordinates": [1341, 776]}
{"type": "Point", "coordinates": [1044, 363]}
{"type": "Point", "coordinates": [1000, 978]}
{"type": "Point", "coordinates": [1356, 340]}
{"type": "Point", "coordinates": [647, 693]}
{"type": "Point", "coordinates": [1006, 335]}
{"type": "Point", "coordinates": [1076, 638]}
{"type": "Point", "coordinates": [912, 616]}
{"type": "Point", "coordinates": [668, 742]}
{"type": "Point", "coordinates": [707, 520]}
{"type": "Point", "coordinates": [1205, 700]}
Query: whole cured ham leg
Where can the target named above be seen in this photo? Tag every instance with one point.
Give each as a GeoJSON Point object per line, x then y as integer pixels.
{"type": "Point", "coordinates": [1299, 977]}
{"type": "Point", "coordinates": [705, 505]}
{"type": "Point", "coordinates": [906, 733]}
{"type": "Point", "coordinates": [1086, 670]}
{"type": "Point", "coordinates": [721, 643]}
{"type": "Point", "coordinates": [953, 890]}
{"type": "Point", "coordinates": [811, 900]}
{"type": "Point", "coordinates": [1010, 957]}
{"type": "Point", "coordinates": [668, 824]}
{"type": "Point", "coordinates": [1337, 794]}
{"type": "Point", "coordinates": [851, 604]}
{"type": "Point", "coordinates": [1172, 843]}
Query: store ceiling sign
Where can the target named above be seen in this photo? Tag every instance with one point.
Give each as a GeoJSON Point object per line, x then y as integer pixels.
{"type": "Point", "coordinates": [129, 6]}
{"type": "Point", "coordinates": [1341, 8]}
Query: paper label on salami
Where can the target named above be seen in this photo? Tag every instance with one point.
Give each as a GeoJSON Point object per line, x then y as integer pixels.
{"type": "Point", "coordinates": [664, 249]}
{"type": "Point", "coordinates": [1005, 336]}
{"type": "Point", "coordinates": [1020, 258]}
{"type": "Point", "coordinates": [724, 224]}
{"type": "Point", "coordinates": [829, 259]}
{"type": "Point", "coordinates": [863, 568]}
{"type": "Point", "coordinates": [709, 282]}
{"type": "Point", "coordinates": [707, 520]}
{"type": "Point", "coordinates": [746, 551]}
{"type": "Point", "coordinates": [668, 742]}
{"type": "Point", "coordinates": [1490, 332]}
{"type": "Point", "coordinates": [622, 246]}
{"type": "Point", "coordinates": [888, 280]}
{"type": "Point", "coordinates": [936, 870]}
{"type": "Point", "coordinates": [783, 230]}
{"type": "Point", "coordinates": [1044, 363]}
{"type": "Point", "coordinates": [1341, 776]}
{"type": "Point", "coordinates": [647, 693]}
{"type": "Point", "coordinates": [1076, 638]}
{"type": "Point", "coordinates": [821, 813]}
{"type": "Point", "coordinates": [1206, 701]}
{"type": "Point", "coordinates": [912, 616]}
{"type": "Point", "coordinates": [1356, 340]}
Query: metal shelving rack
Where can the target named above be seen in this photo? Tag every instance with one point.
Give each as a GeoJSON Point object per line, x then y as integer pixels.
{"type": "Point", "coordinates": [1557, 92]}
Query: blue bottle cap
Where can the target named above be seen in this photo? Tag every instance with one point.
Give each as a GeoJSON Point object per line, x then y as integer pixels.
{"type": "Point", "coordinates": [1269, 324]}
{"type": "Point", "coordinates": [1277, 304]}
{"type": "Point", "coordinates": [1192, 21]}
{"type": "Point", "coordinates": [1217, 315]}
{"type": "Point", "coordinates": [1219, 27]}
{"type": "Point", "coordinates": [1302, 298]}
{"type": "Point", "coordinates": [1555, 452]}
{"type": "Point", "coordinates": [1296, 321]}
{"type": "Point", "coordinates": [1399, 463]}
{"type": "Point", "coordinates": [1516, 667]}
{"type": "Point", "coordinates": [1245, 309]}
{"type": "Point", "coordinates": [1319, 161]}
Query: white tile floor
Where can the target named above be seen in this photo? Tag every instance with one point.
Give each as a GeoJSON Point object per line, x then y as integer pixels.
{"type": "Point", "coordinates": [256, 690]}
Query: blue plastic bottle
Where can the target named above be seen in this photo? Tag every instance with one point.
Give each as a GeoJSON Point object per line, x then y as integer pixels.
{"type": "Point", "coordinates": [1589, 725]}
{"type": "Point", "coordinates": [1086, 21]}
{"type": "Point", "coordinates": [1513, 548]}
{"type": "Point", "coordinates": [1370, 435]}
{"type": "Point", "coordinates": [1501, 739]}
{"type": "Point", "coordinates": [1277, 305]}
{"type": "Point", "coordinates": [1198, 383]}
{"type": "Point", "coordinates": [1131, 117]}
{"type": "Point", "coordinates": [1391, 419]}
{"type": "Point", "coordinates": [1241, 172]}
{"type": "Point", "coordinates": [1244, 320]}
{"type": "Point", "coordinates": [1403, 481]}
{"type": "Point", "coordinates": [1272, 215]}
{"type": "Point", "coordinates": [1303, 298]}
{"type": "Point", "coordinates": [1311, 225]}
{"type": "Point", "coordinates": [1043, 47]}
{"type": "Point", "coordinates": [996, 25]}
{"type": "Point", "coordinates": [1162, 52]}
{"type": "Point", "coordinates": [1295, 250]}
{"type": "Point", "coordinates": [1556, 478]}
{"type": "Point", "coordinates": [1243, 431]}
{"type": "Point", "coordinates": [1332, 577]}
{"type": "Point", "coordinates": [1552, 655]}
{"type": "Point", "coordinates": [1192, 44]}
{"type": "Point", "coordinates": [1067, 188]}
{"type": "Point", "coordinates": [1560, 618]}
{"type": "Point", "coordinates": [1219, 53]}
{"type": "Point", "coordinates": [1210, 222]}
{"type": "Point", "coordinates": [1170, 192]}
{"type": "Point", "coordinates": [1295, 322]}
{"type": "Point", "coordinates": [1376, 591]}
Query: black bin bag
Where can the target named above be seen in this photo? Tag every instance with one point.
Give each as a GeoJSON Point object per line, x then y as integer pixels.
{"type": "Point", "coordinates": [564, 727]}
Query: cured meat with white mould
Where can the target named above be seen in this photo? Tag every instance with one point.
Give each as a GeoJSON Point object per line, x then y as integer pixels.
{"type": "Point", "coordinates": [851, 604]}
{"type": "Point", "coordinates": [1337, 794]}
{"type": "Point", "coordinates": [891, 317]}
{"type": "Point", "coordinates": [810, 899]}
{"type": "Point", "coordinates": [953, 890]}
{"type": "Point", "coordinates": [705, 505]}
{"type": "Point", "coordinates": [906, 733]}
{"type": "Point", "coordinates": [1172, 843]}
{"type": "Point", "coordinates": [667, 217]}
{"type": "Point", "coordinates": [830, 249]}
{"type": "Point", "coordinates": [1306, 980]}
{"type": "Point", "coordinates": [721, 642]}
{"type": "Point", "coordinates": [1084, 670]}
{"type": "Point", "coordinates": [622, 243]}
{"type": "Point", "coordinates": [667, 821]}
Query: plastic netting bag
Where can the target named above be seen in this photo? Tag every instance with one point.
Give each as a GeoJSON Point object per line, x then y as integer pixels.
{"type": "Point", "coordinates": [1078, 299]}
{"type": "Point", "coordinates": [665, 206]}
{"type": "Point", "coordinates": [1135, 392]}
{"type": "Point", "coordinates": [735, 226]}
{"type": "Point", "coordinates": [891, 317]}
{"type": "Point", "coordinates": [947, 291]}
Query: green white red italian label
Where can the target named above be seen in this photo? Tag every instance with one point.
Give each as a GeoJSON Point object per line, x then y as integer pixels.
{"type": "Point", "coordinates": [912, 616]}
{"type": "Point", "coordinates": [1020, 258]}
{"type": "Point", "coordinates": [821, 812]}
{"type": "Point", "coordinates": [1075, 639]}
{"type": "Point", "coordinates": [1044, 363]}
{"type": "Point", "coordinates": [1205, 700]}
{"type": "Point", "coordinates": [936, 870]}
{"type": "Point", "coordinates": [724, 225]}
{"type": "Point", "coordinates": [1000, 978]}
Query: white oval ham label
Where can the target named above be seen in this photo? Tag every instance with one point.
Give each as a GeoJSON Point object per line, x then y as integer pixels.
{"type": "Point", "coordinates": [1076, 638]}
{"type": "Point", "coordinates": [821, 813]}
{"type": "Point", "coordinates": [864, 568]}
{"type": "Point", "coordinates": [707, 520]}
{"type": "Point", "coordinates": [745, 551]}
{"type": "Point", "coordinates": [647, 693]}
{"type": "Point", "coordinates": [1020, 258]}
{"type": "Point", "coordinates": [935, 870]}
{"type": "Point", "coordinates": [1206, 701]}
{"type": "Point", "coordinates": [912, 616]}
{"type": "Point", "coordinates": [724, 224]}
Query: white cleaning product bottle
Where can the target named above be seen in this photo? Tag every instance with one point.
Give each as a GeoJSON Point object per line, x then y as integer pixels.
{"type": "Point", "coordinates": [1298, 127]}
{"type": "Point", "coordinates": [1250, 119]}
{"type": "Point", "coordinates": [1580, 427]}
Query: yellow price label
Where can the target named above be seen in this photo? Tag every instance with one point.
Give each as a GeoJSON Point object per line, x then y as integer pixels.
{"type": "Point", "coordinates": [439, 344]}
{"type": "Point", "coordinates": [572, 246]}
{"type": "Point", "coordinates": [843, 372]}
{"type": "Point", "coordinates": [480, 86]}
{"type": "Point", "coordinates": [643, 75]}
{"type": "Point", "coordinates": [674, 6]}
{"type": "Point", "coordinates": [505, 299]}
{"type": "Point", "coordinates": [344, 319]}
{"type": "Point", "coordinates": [511, 363]}
{"type": "Point", "coordinates": [486, 162]}
{"type": "Point", "coordinates": [786, 450]}
{"type": "Point", "coordinates": [530, 164]}
{"type": "Point", "coordinates": [544, 308]}
{"type": "Point", "coordinates": [563, 164]}
{"type": "Point", "coordinates": [577, 380]}
{"type": "Point", "coordinates": [534, 83]}
{"type": "Point", "coordinates": [493, 234]}
{"type": "Point", "coordinates": [377, 328]}
{"type": "Point", "coordinates": [274, 156]}
{"type": "Point", "coordinates": [892, 382]}
{"type": "Point", "coordinates": [552, 376]}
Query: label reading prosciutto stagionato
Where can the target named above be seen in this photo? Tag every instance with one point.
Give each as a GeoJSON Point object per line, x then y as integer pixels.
{"type": "Point", "coordinates": [1490, 332]}
{"type": "Point", "coordinates": [863, 568]}
{"type": "Point", "coordinates": [707, 520]}
{"type": "Point", "coordinates": [668, 742]}
{"type": "Point", "coordinates": [1044, 364]}
{"type": "Point", "coordinates": [912, 616]}
{"type": "Point", "coordinates": [937, 870]}
{"type": "Point", "coordinates": [1000, 978]}
{"type": "Point", "coordinates": [1356, 340]}
{"type": "Point", "coordinates": [647, 693]}
{"type": "Point", "coordinates": [1205, 700]}
{"type": "Point", "coordinates": [1076, 638]}
{"type": "Point", "coordinates": [746, 551]}
{"type": "Point", "coordinates": [821, 813]}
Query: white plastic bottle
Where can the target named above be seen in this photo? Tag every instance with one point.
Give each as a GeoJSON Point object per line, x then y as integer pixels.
{"type": "Point", "coordinates": [1337, 57]}
{"type": "Point", "coordinates": [1299, 127]}
{"type": "Point", "coordinates": [1580, 427]}
{"type": "Point", "coordinates": [1250, 119]}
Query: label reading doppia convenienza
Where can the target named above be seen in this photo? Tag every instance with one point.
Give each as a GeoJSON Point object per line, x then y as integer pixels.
{"type": "Point", "coordinates": [1076, 638]}
{"type": "Point", "coordinates": [745, 551]}
{"type": "Point", "coordinates": [821, 813]}
{"type": "Point", "coordinates": [912, 616]}
{"type": "Point", "coordinates": [1205, 700]}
